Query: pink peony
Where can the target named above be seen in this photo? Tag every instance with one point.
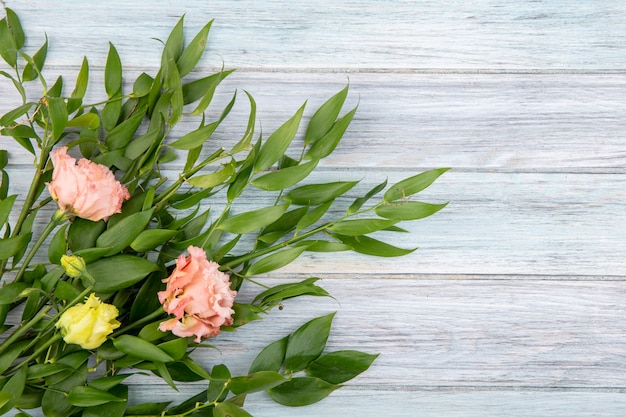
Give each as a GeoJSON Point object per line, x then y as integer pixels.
{"type": "Point", "coordinates": [87, 190]}
{"type": "Point", "coordinates": [198, 295]}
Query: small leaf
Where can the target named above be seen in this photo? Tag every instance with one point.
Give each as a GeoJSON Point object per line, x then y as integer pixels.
{"type": "Point", "coordinates": [301, 391]}
{"type": "Point", "coordinates": [135, 346]}
{"type": "Point", "coordinates": [176, 348]}
{"type": "Point", "coordinates": [271, 357]}
{"type": "Point", "coordinates": [12, 245]}
{"type": "Point", "coordinates": [120, 135]}
{"type": "Point", "coordinates": [315, 194]}
{"type": "Point", "coordinates": [112, 72]}
{"type": "Point", "coordinates": [228, 409]}
{"type": "Point", "coordinates": [119, 272]}
{"type": "Point", "coordinates": [408, 210]}
{"type": "Point", "coordinates": [150, 239]}
{"type": "Point", "coordinates": [359, 227]}
{"type": "Point", "coordinates": [216, 178]}
{"type": "Point", "coordinates": [278, 142]}
{"type": "Point", "coordinates": [193, 52]}
{"type": "Point", "coordinates": [195, 138]}
{"type": "Point", "coordinates": [255, 382]}
{"type": "Point", "coordinates": [82, 396]}
{"type": "Point", "coordinates": [340, 366]}
{"type": "Point", "coordinates": [10, 292]}
{"type": "Point", "coordinates": [358, 203]}
{"type": "Point", "coordinates": [32, 70]}
{"type": "Point", "coordinates": [8, 48]}
{"type": "Point", "coordinates": [9, 117]}
{"type": "Point", "coordinates": [6, 205]}
{"type": "Point", "coordinates": [370, 246]}
{"type": "Point", "coordinates": [124, 232]}
{"type": "Point", "coordinates": [81, 80]}
{"type": "Point", "coordinates": [16, 27]}
{"type": "Point", "coordinates": [307, 343]}
{"type": "Point", "coordinates": [142, 85]}
{"type": "Point", "coordinates": [327, 143]}
{"type": "Point", "coordinates": [325, 117]}
{"type": "Point", "coordinates": [252, 220]}
{"type": "Point", "coordinates": [88, 120]}
{"type": "Point", "coordinates": [275, 261]}
{"type": "Point", "coordinates": [413, 185]}
{"type": "Point", "coordinates": [58, 116]}
{"type": "Point", "coordinates": [284, 178]}
{"type": "Point", "coordinates": [313, 216]}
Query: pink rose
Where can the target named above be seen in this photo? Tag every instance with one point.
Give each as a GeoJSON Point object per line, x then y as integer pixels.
{"type": "Point", "coordinates": [88, 190]}
{"type": "Point", "coordinates": [198, 295]}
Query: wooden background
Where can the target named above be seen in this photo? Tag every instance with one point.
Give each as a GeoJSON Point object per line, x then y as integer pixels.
{"type": "Point", "coordinates": [514, 304]}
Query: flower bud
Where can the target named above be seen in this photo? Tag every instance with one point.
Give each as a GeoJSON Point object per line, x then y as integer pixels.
{"type": "Point", "coordinates": [88, 324]}
{"type": "Point", "coordinates": [74, 265]}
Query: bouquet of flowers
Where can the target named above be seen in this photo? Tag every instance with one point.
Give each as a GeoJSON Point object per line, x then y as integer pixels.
{"type": "Point", "coordinates": [137, 269]}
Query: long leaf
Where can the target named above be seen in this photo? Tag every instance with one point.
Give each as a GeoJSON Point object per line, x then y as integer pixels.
{"type": "Point", "coordinates": [278, 142]}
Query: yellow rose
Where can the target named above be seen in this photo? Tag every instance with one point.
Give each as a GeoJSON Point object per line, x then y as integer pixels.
{"type": "Point", "coordinates": [88, 324]}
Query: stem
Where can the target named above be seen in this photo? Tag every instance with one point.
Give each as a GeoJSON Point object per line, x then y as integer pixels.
{"type": "Point", "coordinates": [237, 261]}
{"type": "Point", "coordinates": [157, 313]}
{"type": "Point", "coordinates": [38, 352]}
{"type": "Point", "coordinates": [23, 329]}
{"type": "Point", "coordinates": [49, 228]}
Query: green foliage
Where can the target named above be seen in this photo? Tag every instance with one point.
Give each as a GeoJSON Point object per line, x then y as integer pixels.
{"type": "Point", "coordinates": [130, 254]}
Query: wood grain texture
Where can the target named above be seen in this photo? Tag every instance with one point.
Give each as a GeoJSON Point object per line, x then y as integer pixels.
{"type": "Point", "coordinates": [514, 303]}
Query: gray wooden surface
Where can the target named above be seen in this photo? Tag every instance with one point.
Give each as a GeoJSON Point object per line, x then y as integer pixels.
{"type": "Point", "coordinates": [514, 305]}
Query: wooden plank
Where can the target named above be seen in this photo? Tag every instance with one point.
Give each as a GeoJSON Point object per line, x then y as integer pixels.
{"type": "Point", "coordinates": [496, 224]}
{"type": "Point", "coordinates": [397, 35]}
{"type": "Point", "coordinates": [550, 123]}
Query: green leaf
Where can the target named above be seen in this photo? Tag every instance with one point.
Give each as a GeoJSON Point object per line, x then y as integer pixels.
{"type": "Point", "coordinates": [9, 117]}
{"type": "Point", "coordinates": [176, 348]}
{"type": "Point", "coordinates": [147, 409]}
{"type": "Point", "coordinates": [196, 137]}
{"type": "Point", "coordinates": [112, 409]}
{"type": "Point", "coordinates": [313, 216]}
{"type": "Point", "coordinates": [112, 72]}
{"type": "Point", "coordinates": [88, 120]}
{"type": "Point", "coordinates": [413, 185]}
{"type": "Point", "coordinates": [6, 206]}
{"type": "Point", "coordinates": [142, 85]}
{"type": "Point", "coordinates": [8, 48]}
{"type": "Point", "coordinates": [14, 388]}
{"type": "Point", "coordinates": [12, 245]}
{"type": "Point", "coordinates": [214, 179]}
{"type": "Point", "coordinates": [66, 291]}
{"type": "Point", "coordinates": [246, 139]}
{"type": "Point", "coordinates": [275, 261]}
{"type": "Point", "coordinates": [302, 287]}
{"type": "Point", "coordinates": [327, 144]}
{"type": "Point", "coordinates": [271, 358]}
{"type": "Point", "coordinates": [81, 80]}
{"type": "Point", "coordinates": [196, 89]}
{"type": "Point", "coordinates": [111, 113]}
{"type": "Point", "coordinates": [245, 313]}
{"type": "Point", "coordinates": [229, 409]}
{"type": "Point", "coordinates": [141, 144]}
{"type": "Point", "coordinates": [82, 396]}
{"type": "Point", "coordinates": [120, 135]}
{"type": "Point", "coordinates": [16, 27]}
{"type": "Point", "coordinates": [301, 391]}
{"type": "Point", "coordinates": [284, 178]}
{"type": "Point", "coordinates": [370, 246]}
{"type": "Point", "coordinates": [150, 239]}
{"type": "Point", "coordinates": [124, 232]}
{"type": "Point", "coordinates": [340, 366]}
{"type": "Point", "coordinates": [324, 246]}
{"type": "Point", "coordinates": [315, 194]}
{"type": "Point", "coordinates": [358, 203]}
{"type": "Point", "coordinates": [58, 116]}
{"type": "Point", "coordinates": [83, 233]}
{"type": "Point", "coordinates": [135, 346]}
{"type": "Point", "coordinates": [119, 272]}
{"type": "Point", "coordinates": [307, 343]}
{"type": "Point", "coordinates": [278, 142]}
{"type": "Point", "coordinates": [359, 227]}
{"type": "Point", "coordinates": [408, 210]}
{"type": "Point", "coordinates": [32, 70]}
{"type": "Point", "coordinates": [216, 392]}
{"type": "Point", "coordinates": [253, 220]}
{"type": "Point", "coordinates": [105, 383]}
{"type": "Point", "coordinates": [324, 118]}
{"type": "Point", "coordinates": [193, 52]}
{"type": "Point", "coordinates": [255, 382]}
{"type": "Point", "coordinates": [174, 44]}
{"type": "Point", "coordinates": [11, 354]}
